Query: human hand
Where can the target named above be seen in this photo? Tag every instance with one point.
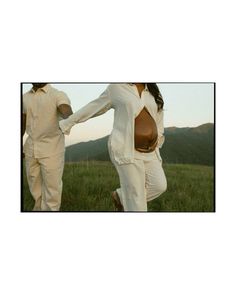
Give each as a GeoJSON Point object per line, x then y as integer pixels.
{"type": "Point", "coordinates": [63, 127]}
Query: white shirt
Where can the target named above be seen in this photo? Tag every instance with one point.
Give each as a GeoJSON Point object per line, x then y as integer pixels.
{"type": "Point", "coordinates": [44, 135]}
{"type": "Point", "coordinates": [127, 104]}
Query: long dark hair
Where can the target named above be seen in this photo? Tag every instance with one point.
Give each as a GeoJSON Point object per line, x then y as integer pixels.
{"type": "Point", "coordinates": [154, 90]}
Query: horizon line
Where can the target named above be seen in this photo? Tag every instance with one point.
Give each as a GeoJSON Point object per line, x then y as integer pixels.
{"type": "Point", "coordinates": [164, 128]}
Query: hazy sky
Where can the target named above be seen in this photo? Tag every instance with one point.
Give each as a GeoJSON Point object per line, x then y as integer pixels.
{"type": "Point", "coordinates": [186, 105]}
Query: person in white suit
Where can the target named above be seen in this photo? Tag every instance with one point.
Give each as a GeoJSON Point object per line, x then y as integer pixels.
{"type": "Point", "coordinates": [44, 149]}
{"type": "Point", "coordinates": [134, 143]}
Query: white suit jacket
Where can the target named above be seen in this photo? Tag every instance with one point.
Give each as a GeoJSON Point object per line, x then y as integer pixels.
{"type": "Point", "coordinates": [127, 104]}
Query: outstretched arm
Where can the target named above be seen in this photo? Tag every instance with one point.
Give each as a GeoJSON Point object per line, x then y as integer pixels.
{"type": "Point", "coordinates": [93, 109]}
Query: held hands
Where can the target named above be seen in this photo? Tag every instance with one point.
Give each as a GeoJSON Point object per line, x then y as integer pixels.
{"type": "Point", "coordinates": [63, 127]}
{"type": "Point", "coordinates": [65, 111]}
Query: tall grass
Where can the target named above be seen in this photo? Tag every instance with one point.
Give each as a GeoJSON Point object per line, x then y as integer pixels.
{"type": "Point", "coordinates": [87, 186]}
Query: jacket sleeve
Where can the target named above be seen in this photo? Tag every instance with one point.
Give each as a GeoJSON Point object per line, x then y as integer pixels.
{"type": "Point", "coordinates": [93, 109]}
{"type": "Point", "coordinates": [160, 126]}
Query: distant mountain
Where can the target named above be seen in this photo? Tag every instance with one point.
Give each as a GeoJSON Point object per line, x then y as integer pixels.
{"type": "Point", "coordinates": [91, 150]}
{"type": "Point", "coordinates": [182, 145]}
{"type": "Point", "coordinates": [189, 145]}
{"type": "Point", "coordinates": [205, 128]}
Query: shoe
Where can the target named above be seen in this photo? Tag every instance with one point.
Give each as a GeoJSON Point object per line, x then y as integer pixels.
{"type": "Point", "coordinates": [117, 203]}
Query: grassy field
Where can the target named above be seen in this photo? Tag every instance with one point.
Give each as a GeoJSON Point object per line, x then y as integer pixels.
{"type": "Point", "coordinates": [87, 187]}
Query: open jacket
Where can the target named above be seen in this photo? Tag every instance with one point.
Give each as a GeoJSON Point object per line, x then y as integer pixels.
{"type": "Point", "coordinates": [127, 104]}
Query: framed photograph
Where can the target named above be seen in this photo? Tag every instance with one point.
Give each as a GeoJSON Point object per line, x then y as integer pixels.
{"type": "Point", "coordinates": [118, 147]}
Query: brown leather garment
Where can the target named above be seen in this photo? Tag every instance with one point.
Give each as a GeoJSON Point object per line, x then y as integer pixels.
{"type": "Point", "coordinates": [146, 134]}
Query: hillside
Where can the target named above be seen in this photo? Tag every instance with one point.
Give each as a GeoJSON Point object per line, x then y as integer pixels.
{"type": "Point", "coordinates": [183, 145]}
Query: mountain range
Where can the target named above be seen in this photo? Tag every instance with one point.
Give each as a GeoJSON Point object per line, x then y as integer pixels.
{"type": "Point", "coordinates": [182, 145]}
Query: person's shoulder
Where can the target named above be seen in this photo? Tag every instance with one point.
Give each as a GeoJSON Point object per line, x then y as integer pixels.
{"type": "Point", "coordinates": [27, 94]}
{"type": "Point", "coordinates": [56, 92]}
{"type": "Point", "coordinates": [116, 86]}
{"type": "Point", "coordinates": [53, 90]}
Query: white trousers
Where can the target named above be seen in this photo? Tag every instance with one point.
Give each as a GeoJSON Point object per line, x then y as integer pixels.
{"type": "Point", "coordinates": [45, 181]}
{"type": "Point", "coordinates": [140, 182]}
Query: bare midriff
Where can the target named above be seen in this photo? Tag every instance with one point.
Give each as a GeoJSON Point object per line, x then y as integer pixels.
{"type": "Point", "coordinates": [145, 132]}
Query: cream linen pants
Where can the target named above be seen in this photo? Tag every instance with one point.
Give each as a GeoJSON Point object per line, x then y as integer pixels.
{"type": "Point", "coordinates": [44, 177]}
{"type": "Point", "coordinates": [141, 181]}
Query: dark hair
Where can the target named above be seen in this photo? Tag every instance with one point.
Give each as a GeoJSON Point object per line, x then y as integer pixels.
{"type": "Point", "coordinates": [154, 90]}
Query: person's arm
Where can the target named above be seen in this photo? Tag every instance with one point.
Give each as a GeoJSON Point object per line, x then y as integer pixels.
{"type": "Point", "coordinates": [23, 128]}
{"type": "Point", "coordinates": [23, 124]}
{"type": "Point", "coordinates": [93, 109]}
{"type": "Point", "coordinates": [65, 110]}
{"type": "Point", "coordinates": [63, 104]}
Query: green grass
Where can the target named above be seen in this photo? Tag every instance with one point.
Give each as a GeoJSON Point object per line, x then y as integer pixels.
{"type": "Point", "coordinates": [87, 187]}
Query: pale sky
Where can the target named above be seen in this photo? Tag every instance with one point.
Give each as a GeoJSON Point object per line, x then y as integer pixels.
{"type": "Point", "coordinates": [186, 105]}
